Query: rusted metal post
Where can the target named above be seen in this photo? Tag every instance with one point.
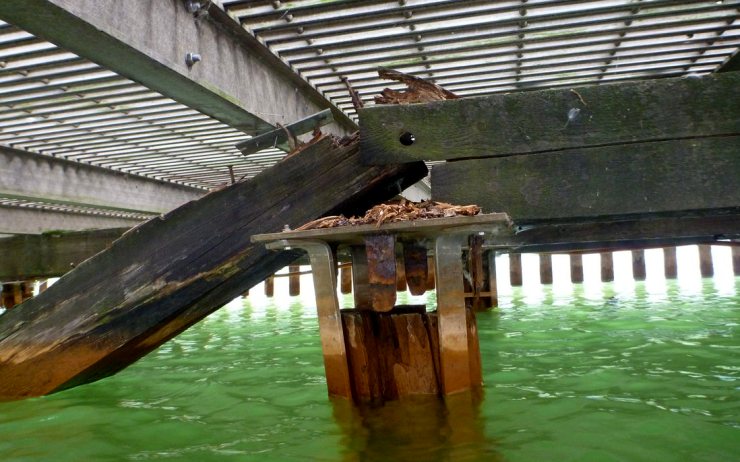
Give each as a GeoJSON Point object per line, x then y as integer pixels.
{"type": "Point", "coordinates": [453, 331]}
{"type": "Point", "coordinates": [705, 261]}
{"type": "Point", "coordinates": [515, 269]}
{"type": "Point", "coordinates": [546, 268]}
{"type": "Point", "coordinates": [576, 268]}
{"type": "Point", "coordinates": [607, 266]}
{"type": "Point", "coordinates": [330, 322]}
{"type": "Point", "coordinates": [638, 265]}
{"type": "Point", "coordinates": [669, 262]}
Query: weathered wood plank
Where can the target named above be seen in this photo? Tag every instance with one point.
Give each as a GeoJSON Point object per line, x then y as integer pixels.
{"type": "Point", "coordinates": [547, 120]}
{"type": "Point", "coordinates": [170, 272]}
{"type": "Point", "coordinates": [51, 254]}
{"type": "Point", "coordinates": [648, 178]}
{"type": "Point", "coordinates": [624, 234]}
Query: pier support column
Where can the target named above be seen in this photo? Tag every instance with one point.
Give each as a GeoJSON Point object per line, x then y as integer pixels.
{"type": "Point", "coordinates": [607, 266]}
{"type": "Point", "coordinates": [576, 268]}
{"type": "Point", "coordinates": [515, 269]}
{"type": "Point", "coordinates": [638, 265]}
{"type": "Point", "coordinates": [705, 261]}
{"type": "Point", "coordinates": [546, 268]}
{"type": "Point", "coordinates": [270, 286]}
{"type": "Point", "coordinates": [670, 263]}
{"type": "Point", "coordinates": [294, 280]}
{"type": "Point", "coordinates": [736, 259]}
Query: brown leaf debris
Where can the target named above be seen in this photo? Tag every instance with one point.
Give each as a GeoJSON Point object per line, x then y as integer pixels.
{"type": "Point", "coordinates": [395, 211]}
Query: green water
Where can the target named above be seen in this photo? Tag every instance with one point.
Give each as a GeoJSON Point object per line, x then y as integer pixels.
{"type": "Point", "coordinates": [617, 376]}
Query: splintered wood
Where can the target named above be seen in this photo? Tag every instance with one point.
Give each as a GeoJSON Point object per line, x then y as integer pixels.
{"type": "Point", "coordinates": [419, 90]}
{"type": "Point", "coordinates": [395, 211]}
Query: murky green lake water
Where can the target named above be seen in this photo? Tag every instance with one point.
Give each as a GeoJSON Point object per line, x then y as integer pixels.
{"type": "Point", "coordinates": [637, 375]}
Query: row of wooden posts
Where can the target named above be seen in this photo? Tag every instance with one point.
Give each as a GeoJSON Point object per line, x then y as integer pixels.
{"type": "Point", "coordinates": [639, 271]}
{"type": "Point", "coordinates": [14, 293]}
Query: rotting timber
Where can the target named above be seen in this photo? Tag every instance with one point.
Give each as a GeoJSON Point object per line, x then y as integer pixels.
{"type": "Point", "coordinates": [168, 273]}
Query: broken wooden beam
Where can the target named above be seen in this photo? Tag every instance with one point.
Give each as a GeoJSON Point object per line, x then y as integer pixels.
{"type": "Point", "coordinates": [168, 273]}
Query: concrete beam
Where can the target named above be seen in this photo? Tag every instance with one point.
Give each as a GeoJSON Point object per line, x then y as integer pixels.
{"type": "Point", "coordinates": [39, 178]}
{"type": "Point", "coordinates": [51, 254]}
{"type": "Point", "coordinates": [237, 81]}
{"type": "Point", "coordinates": [23, 220]}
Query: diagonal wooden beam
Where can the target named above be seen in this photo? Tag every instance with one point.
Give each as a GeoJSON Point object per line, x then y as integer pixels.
{"type": "Point", "coordinates": [170, 272]}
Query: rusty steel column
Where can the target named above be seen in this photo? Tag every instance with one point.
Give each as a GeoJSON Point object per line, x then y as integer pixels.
{"type": "Point", "coordinates": [330, 322]}
{"type": "Point", "coordinates": [453, 332]}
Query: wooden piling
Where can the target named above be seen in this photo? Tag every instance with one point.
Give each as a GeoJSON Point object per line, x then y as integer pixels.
{"type": "Point", "coordinates": [546, 268]}
{"type": "Point", "coordinates": [576, 268]}
{"type": "Point", "coordinates": [669, 262]}
{"type": "Point", "coordinates": [294, 280]}
{"type": "Point", "coordinates": [705, 261]}
{"type": "Point", "coordinates": [345, 279]}
{"type": "Point", "coordinates": [515, 269]}
{"type": "Point", "coordinates": [270, 286]}
{"type": "Point", "coordinates": [638, 265]}
{"type": "Point", "coordinates": [492, 282]}
{"type": "Point", "coordinates": [607, 266]}
{"type": "Point", "coordinates": [736, 259]}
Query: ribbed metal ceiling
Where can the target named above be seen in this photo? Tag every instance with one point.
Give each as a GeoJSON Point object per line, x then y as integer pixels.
{"type": "Point", "coordinates": [56, 103]}
{"type": "Point", "coordinates": [475, 47]}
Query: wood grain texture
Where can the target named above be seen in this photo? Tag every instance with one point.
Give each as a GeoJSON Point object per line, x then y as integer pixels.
{"type": "Point", "coordinates": [649, 178]}
{"type": "Point", "coordinates": [51, 254]}
{"type": "Point", "coordinates": [548, 120]}
{"type": "Point", "coordinates": [163, 276]}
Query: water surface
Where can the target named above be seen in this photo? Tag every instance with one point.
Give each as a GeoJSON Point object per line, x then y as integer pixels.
{"type": "Point", "coordinates": [641, 375]}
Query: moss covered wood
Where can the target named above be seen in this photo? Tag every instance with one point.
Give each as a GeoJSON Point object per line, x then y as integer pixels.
{"type": "Point", "coordinates": [170, 272]}
{"type": "Point", "coordinates": [690, 175]}
{"type": "Point", "coordinates": [548, 120]}
{"type": "Point", "coordinates": [51, 254]}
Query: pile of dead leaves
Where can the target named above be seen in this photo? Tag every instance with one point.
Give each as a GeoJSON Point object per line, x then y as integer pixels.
{"type": "Point", "coordinates": [395, 211]}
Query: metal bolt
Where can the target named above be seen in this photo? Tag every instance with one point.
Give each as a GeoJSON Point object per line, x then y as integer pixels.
{"type": "Point", "coordinates": [193, 6]}
{"type": "Point", "coordinates": [192, 58]}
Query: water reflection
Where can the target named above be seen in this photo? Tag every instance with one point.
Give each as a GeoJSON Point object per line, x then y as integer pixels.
{"type": "Point", "coordinates": [416, 429]}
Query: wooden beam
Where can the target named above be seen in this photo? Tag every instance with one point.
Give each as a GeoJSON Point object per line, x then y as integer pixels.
{"type": "Point", "coordinates": [647, 178]}
{"type": "Point", "coordinates": [170, 272]}
{"type": "Point", "coordinates": [515, 269]}
{"type": "Point", "coordinates": [51, 254]}
{"type": "Point", "coordinates": [549, 120]}
{"type": "Point", "coordinates": [545, 268]}
{"type": "Point", "coordinates": [706, 265]}
{"type": "Point", "coordinates": [623, 234]}
{"type": "Point", "coordinates": [639, 270]}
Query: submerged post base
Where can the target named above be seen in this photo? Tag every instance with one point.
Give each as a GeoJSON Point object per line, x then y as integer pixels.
{"type": "Point", "coordinates": [397, 354]}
